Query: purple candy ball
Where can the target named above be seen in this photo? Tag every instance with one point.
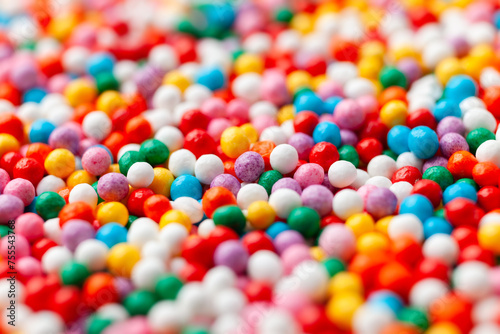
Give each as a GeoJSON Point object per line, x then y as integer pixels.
{"type": "Point", "coordinates": [4, 179]}
{"type": "Point", "coordinates": [451, 143]}
{"type": "Point", "coordinates": [75, 231]}
{"type": "Point", "coordinates": [113, 187]}
{"type": "Point", "coordinates": [249, 166]}
{"type": "Point", "coordinates": [96, 161]}
{"type": "Point", "coordinates": [227, 181]}
{"type": "Point", "coordinates": [231, 254]}
{"type": "Point", "coordinates": [11, 207]}
{"type": "Point", "coordinates": [286, 239]}
{"type": "Point", "coordinates": [381, 202]}
{"type": "Point", "coordinates": [302, 143]}
{"type": "Point", "coordinates": [450, 124]}
{"type": "Point", "coordinates": [65, 137]}
{"type": "Point", "coordinates": [319, 198]}
{"type": "Point", "coordinates": [287, 182]}
{"type": "Point", "coordinates": [348, 137]}
{"type": "Point", "coordinates": [436, 161]}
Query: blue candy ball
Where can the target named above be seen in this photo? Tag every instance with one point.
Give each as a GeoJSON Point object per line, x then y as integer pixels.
{"type": "Point", "coordinates": [101, 62]}
{"type": "Point", "coordinates": [186, 186]}
{"type": "Point", "coordinates": [460, 87]}
{"type": "Point", "coordinates": [418, 205]}
{"type": "Point", "coordinates": [461, 189]}
{"type": "Point", "coordinates": [327, 131]}
{"type": "Point", "coordinates": [397, 139]}
{"type": "Point", "coordinates": [434, 225]}
{"type": "Point", "coordinates": [40, 131]}
{"type": "Point", "coordinates": [34, 95]}
{"type": "Point", "coordinates": [423, 142]}
{"type": "Point", "coordinates": [276, 229]}
{"type": "Point", "coordinates": [445, 108]}
{"type": "Point", "coordinates": [330, 104]}
{"type": "Point", "coordinates": [386, 298]}
{"type": "Point", "coordinates": [212, 78]}
{"type": "Point", "coordinates": [309, 101]}
{"type": "Point", "coordinates": [112, 234]}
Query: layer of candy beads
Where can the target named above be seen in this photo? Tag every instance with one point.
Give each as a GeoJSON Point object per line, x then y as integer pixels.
{"type": "Point", "coordinates": [250, 167]}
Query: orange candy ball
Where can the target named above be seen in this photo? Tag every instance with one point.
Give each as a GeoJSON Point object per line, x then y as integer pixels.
{"type": "Point", "coordinates": [486, 174]}
{"type": "Point", "coordinates": [216, 197]}
{"type": "Point", "coordinates": [461, 164]}
{"type": "Point", "coordinates": [76, 210]}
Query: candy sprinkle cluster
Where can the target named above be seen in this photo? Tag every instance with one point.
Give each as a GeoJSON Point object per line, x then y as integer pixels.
{"type": "Point", "coordinates": [250, 167]}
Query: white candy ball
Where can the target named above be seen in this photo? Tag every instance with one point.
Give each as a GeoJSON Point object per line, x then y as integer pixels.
{"type": "Point", "coordinates": [146, 272]}
{"type": "Point", "coordinates": [52, 230]}
{"type": "Point", "coordinates": [382, 165]}
{"type": "Point", "coordinates": [141, 231]}
{"type": "Point", "coordinates": [276, 134]}
{"type": "Point", "coordinates": [247, 86]}
{"type": "Point", "coordinates": [44, 322]}
{"type": "Point", "coordinates": [127, 148]}
{"type": "Point", "coordinates": [50, 183]}
{"type": "Point", "coordinates": [155, 249]}
{"type": "Point", "coordinates": [489, 328]}
{"type": "Point", "coordinates": [479, 118]}
{"type": "Point", "coordinates": [284, 158]}
{"type": "Point", "coordinates": [277, 321]}
{"type": "Point", "coordinates": [346, 203]}
{"type": "Point", "coordinates": [370, 319]}
{"type": "Point", "coordinates": [170, 136]}
{"type": "Point", "coordinates": [230, 300]}
{"type": "Point", "coordinates": [140, 175]}
{"type": "Point", "coordinates": [442, 247]}
{"type": "Point", "coordinates": [97, 125]}
{"type": "Point", "coordinates": [167, 97]}
{"type": "Point", "coordinates": [360, 180]}
{"type": "Point", "coordinates": [315, 283]}
{"type": "Point", "coordinates": [250, 193]}
{"type": "Point", "coordinates": [283, 201]}
{"type": "Point", "coordinates": [124, 70]}
{"type": "Point", "coordinates": [409, 159]}
{"type": "Point", "coordinates": [74, 59]}
{"type": "Point", "coordinates": [83, 192]}
{"type": "Point", "coordinates": [342, 173]}
{"type": "Point", "coordinates": [205, 227]}
{"type": "Point", "coordinates": [485, 310]}
{"type": "Point", "coordinates": [189, 206]}
{"type": "Point", "coordinates": [489, 151]}
{"type": "Point", "coordinates": [265, 266]}
{"type": "Point", "coordinates": [379, 181]}
{"type": "Point", "coordinates": [207, 167]}
{"type": "Point", "coordinates": [358, 87]}
{"type": "Point", "coordinates": [402, 190]}
{"type": "Point", "coordinates": [182, 162]}
{"type": "Point", "coordinates": [341, 72]}
{"type": "Point", "coordinates": [193, 300]}
{"type": "Point", "coordinates": [219, 278]}
{"type": "Point", "coordinates": [261, 108]}
{"type": "Point", "coordinates": [55, 258]}
{"type": "Point", "coordinates": [28, 112]}
{"type": "Point", "coordinates": [159, 118]}
{"type": "Point", "coordinates": [164, 57]}
{"type": "Point", "coordinates": [173, 235]}
{"type": "Point", "coordinates": [92, 253]}
{"type": "Point", "coordinates": [197, 94]}
{"type": "Point", "coordinates": [406, 224]}
{"type": "Point", "coordinates": [165, 317]}
{"type": "Point", "coordinates": [258, 43]}
{"type": "Point", "coordinates": [425, 292]}
{"type": "Point", "coordinates": [113, 311]}
{"type": "Point", "coordinates": [472, 280]}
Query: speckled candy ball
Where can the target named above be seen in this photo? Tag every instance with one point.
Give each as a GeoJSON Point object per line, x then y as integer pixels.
{"type": "Point", "coordinates": [249, 166]}
{"type": "Point", "coordinates": [289, 183]}
{"type": "Point", "coordinates": [231, 254]}
{"type": "Point", "coordinates": [381, 202]}
{"type": "Point", "coordinates": [76, 231]}
{"type": "Point", "coordinates": [349, 115]}
{"type": "Point", "coordinates": [22, 189]}
{"type": "Point", "coordinates": [65, 137]}
{"type": "Point", "coordinates": [96, 161]}
{"type": "Point", "coordinates": [450, 124]}
{"type": "Point", "coordinates": [303, 143]}
{"type": "Point", "coordinates": [4, 179]}
{"type": "Point", "coordinates": [30, 225]}
{"type": "Point", "coordinates": [309, 174]}
{"type": "Point", "coordinates": [11, 207]}
{"type": "Point", "coordinates": [227, 181]}
{"type": "Point", "coordinates": [451, 143]}
{"type": "Point", "coordinates": [113, 187]}
{"type": "Point", "coordinates": [319, 198]}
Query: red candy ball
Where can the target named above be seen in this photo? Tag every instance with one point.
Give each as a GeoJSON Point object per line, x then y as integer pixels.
{"type": "Point", "coordinates": [138, 129]}
{"type": "Point", "coordinates": [11, 124]}
{"type": "Point", "coordinates": [488, 198]}
{"type": "Point", "coordinates": [429, 189]}
{"type": "Point", "coordinates": [463, 212]}
{"type": "Point", "coordinates": [408, 173]}
{"type": "Point", "coordinates": [421, 117]}
{"type": "Point", "coordinates": [29, 169]}
{"type": "Point", "coordinates": [199, 142]}
{"type": "Point", "coordinates": [193, 119]}
{"type": "Point", "coordinates": [257, 240]}
{"type": "Point", "coordinates": [155, 206]}
{"type": "Point", "coordinates": [324, 154]}
{"type": "Point", "coordinates": [136, 200]}
{"type": "Point", "coordinates": [9, 160]}
{"type": "Point", "coordinates": [305, 121]}
{"type": "Point", "coordinates": [368, 149]}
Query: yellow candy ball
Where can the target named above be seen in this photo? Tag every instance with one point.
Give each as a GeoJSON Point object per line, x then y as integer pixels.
{"type": "Point", "coordinates": [443, 328]}
{"type": "Point", "coordinates": [109, 101]}
{"type": "Point", "coordinates": [404, 52]}
{"type": "Point", "coordinates": [162, 181]}
{"type": "Point", "coordinates": [286, 113]}
{"type": "Point", "coordinates": [114, 168]}
{"type": "Point", "coordinates": [234, 142]}
{"type": "Point", "coordinates": [80, 176]}
{"type": "Point", "coordinates": [373, 49]}
{"type": "Point", "coordinates": [61, 26]}
{"type": "Point", "coordinates": [360, 224]}
{"type": "Point", "coordinates": [250, 132]}
{"type": "Point", "coordinates": [394, 113]}
{"type": "Point", "coordinates": [8, 143]}
{"type": "Point", "coordinates": [177, 79]}
{"type": "Point", "coordinates": [317, 253]}
{"type": "Point", "coordinates": [489, 237]}
{"type": "Point", "coordinates": [260, 215]}
{"type": "Point", "coordinates": [383, 224]}
{"type": "Point", "coordinates": [60, 162]}
{"type": "Point", "coordinates": [112, 212]}
{"type": "Point", "coordinates": [248, 63]}
{"type": "Point", "coordinates": [175, 216]}
{"type": "Point", "coordinates": [473, 66]}
{"type": "Point", "coordinates": [302, 22]}
{"type": "Point", "coordinates": [122, 258]}
{"type": "Point", "coordinates": [298, 79]}
{"type": "Point", "coordinates": [318, 80]}
{"type": "Point", "coordinates": [371, 242]}
{"type": "Point", "coordinates": [80, 91]}
{"type": "Point", "coordinates": [341, 308]}
{"type": "Point", "coordinates": [345, 282]}
{"type": "Point", "coordinates": [370, 67]}
{"type": "Point", "coordinates": [448, 68]}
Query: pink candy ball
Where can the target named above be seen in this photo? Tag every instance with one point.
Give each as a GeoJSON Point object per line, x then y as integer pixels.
{"type": "Point", "coordinates": [337, 240]}
{"type": "Point", "coordinates": [29, 267]}
{"type": "Point", "coordinates": [96, 161]}
{"type": "Point", "coordinates": [262, 122]}
{"type": "Point", "coordinates": [30, 225]}
{"type": "Point", "coordinates": [349, 115]}
{"type": "Point", "coordinates": [365, 190]}
{"type": "Point", "coordinates": [495, 280]}
{"type": "Point", "coordinates": [58, 83]}
{"type": "Point", "coordinates": [368, 104]}
{"type": "Point", "coordinates": [292, 301]}
{"type": "Point", "coordinates": [11, 207]}
{"type": "Point", "coordinates": [294, 255]}
{"type": "Point", "coordinates": [238, 109]}
{"type": "Point", "coordinates": [273, 88]}
{"type": "Point", "coordinates": [4, 179]}
{"type": "Point", "coordinates": [137, 324]}
{"type": "Point", "coordinates": [217, 126]}
{"type": "Point", "coordinates": [22, 246]}
{"type": "Point", "coordinates": [22, 189]}
{"type": "Point", "coordinates": [214, 107]}
{"type": "Point", "coordinates": [329, 89]}
{"type": "Point", "coordinates": [309, 174]}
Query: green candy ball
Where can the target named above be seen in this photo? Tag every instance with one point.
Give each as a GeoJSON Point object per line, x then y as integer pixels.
{"type": "Point", "coordinates": [415, 317]}
{"type": "Point", "coordinates": [48, 204]}
{"type": "Point", "coordinates": [440, 175]}
{"type": "Point", "coordinates": [4, 230]}
{"type": "Point", "coordinates": [128, 159]}
{"type": "Point", "coordinates": [268, 179]}
{"type": "Point", "coordinates": [194, 330]}
{"type": "Point", "coordinates": [333, 266]}
{"type": "Point", "coordinates": [99, 199]}
{"type": "Point", "coordinates": [155, 151]}
{"type": "Point", "coordinates": [305, 221]}
{"type": "Point", "coordinates": [168, 286]}
{"type": "Point", "coordinates": [349, 153]}
{"type": "Point", "coordinates": [283, 15]}
{"type": "Point", "coordinates": [74, 273]}
{"type": "Point", "coordinates": [97, 324]}
{"type": "Point", "coordinates": [230, 216]}
{"type": "Point", "coordinates": [139, 302]}
{"type": "Point", "coordinates": [469, 181]}
{"type": "Point", "coordinates": [391, 154]}
{"type": "Point", "coordinates": [478, 136]}
{"type": "Point", "coordinates": [106, 81]}
{"type": "Point", "coordinates": [391, 76]}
